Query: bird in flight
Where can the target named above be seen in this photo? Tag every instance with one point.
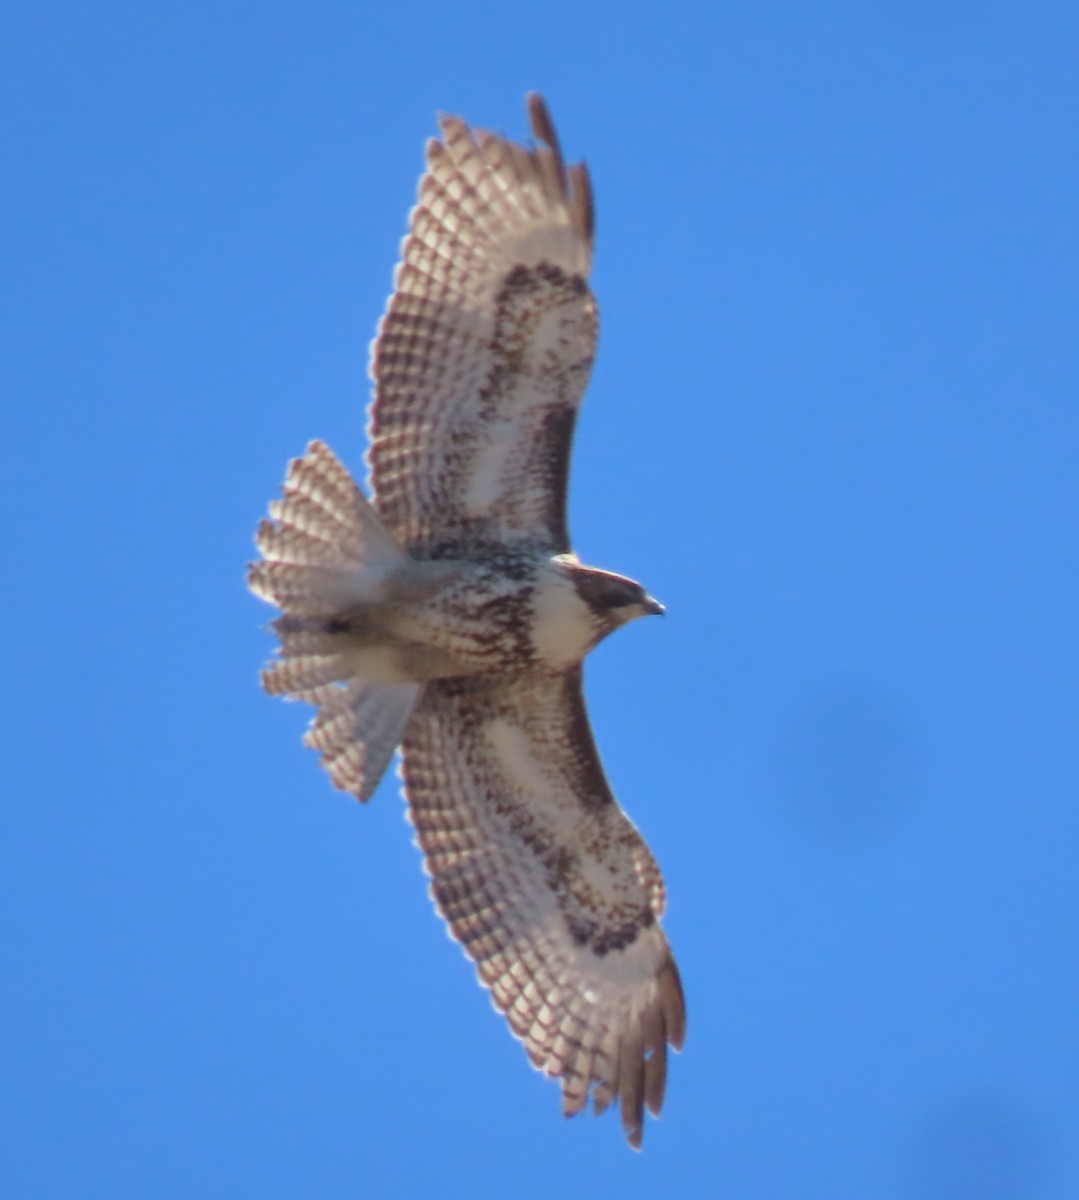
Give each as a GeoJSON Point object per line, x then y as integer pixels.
{"type": "Point", "coordinates": [448, 616]}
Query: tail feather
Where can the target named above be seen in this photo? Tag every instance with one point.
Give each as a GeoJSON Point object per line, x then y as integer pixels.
{"type": "Point", "coordinates": [306, 591]}
{"type": "Point", "coordinates": [301, 637]}
{"type": "Point", "coordinates": [358, 731]}
{"type": "Point", "coordinates": [321, 477]}
{"type": "Point", "coordinates": [301, 673]}
{"type": "Point", "coordinates": [326, 553]}
{"type": "Point", "coordinates": [305, 521]}
{"type": "Point", "coordinates": [286, 543]}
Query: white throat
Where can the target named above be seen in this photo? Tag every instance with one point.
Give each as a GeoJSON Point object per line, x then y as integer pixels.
{"type": "Point", "coordinates": [563, 628]}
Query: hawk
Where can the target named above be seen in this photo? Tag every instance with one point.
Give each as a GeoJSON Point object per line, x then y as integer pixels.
{"type": "Point", "coordinates": [449, 617]}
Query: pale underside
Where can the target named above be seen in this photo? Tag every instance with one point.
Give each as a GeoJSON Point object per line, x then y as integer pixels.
{"type": "Point", "coordinates": [480, 364]}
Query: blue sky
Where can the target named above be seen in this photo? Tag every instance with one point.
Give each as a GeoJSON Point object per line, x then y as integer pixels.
{"type": "Point", "coordinates": [833, 426]}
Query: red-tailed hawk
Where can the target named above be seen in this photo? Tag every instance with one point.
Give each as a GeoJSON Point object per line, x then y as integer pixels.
{"type": "Point", "coordinates": [449, 617]}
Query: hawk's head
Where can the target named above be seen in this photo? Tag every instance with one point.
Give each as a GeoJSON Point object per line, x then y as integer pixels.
{"type": "Point", "coordinates": [574, 607]}
{"type": "Point", "coordinates": [614, 599]}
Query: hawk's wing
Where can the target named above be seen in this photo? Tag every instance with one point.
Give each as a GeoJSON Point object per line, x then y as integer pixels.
{"type": "Point", "coordinates": [547, 884]}
{"type": "Point", "coordinates": [485, 349]}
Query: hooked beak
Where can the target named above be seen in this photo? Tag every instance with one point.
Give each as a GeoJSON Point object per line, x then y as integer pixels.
{"type": "Point", "coordinates": [652, 607]}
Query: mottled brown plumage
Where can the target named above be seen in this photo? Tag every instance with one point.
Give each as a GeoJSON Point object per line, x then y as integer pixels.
{"type": "Point", "coordinates": [450, 618]}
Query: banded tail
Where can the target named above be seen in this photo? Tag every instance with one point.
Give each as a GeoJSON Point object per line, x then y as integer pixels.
{"type": "Point", "coordinates": [326, 553]}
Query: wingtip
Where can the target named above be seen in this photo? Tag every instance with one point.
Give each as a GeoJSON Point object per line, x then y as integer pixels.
{"type": "Point", "coordinates": [584, 208]}
{"type": "Point", "coordinates": [575, 181]}
{"type": "Point", "coordinates": [539, 116]}
{"type": "Point", "coordinates": [673, 1002]}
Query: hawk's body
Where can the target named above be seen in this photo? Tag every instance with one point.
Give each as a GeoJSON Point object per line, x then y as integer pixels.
{"type": "Point", "coordinates": [450, 618]}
